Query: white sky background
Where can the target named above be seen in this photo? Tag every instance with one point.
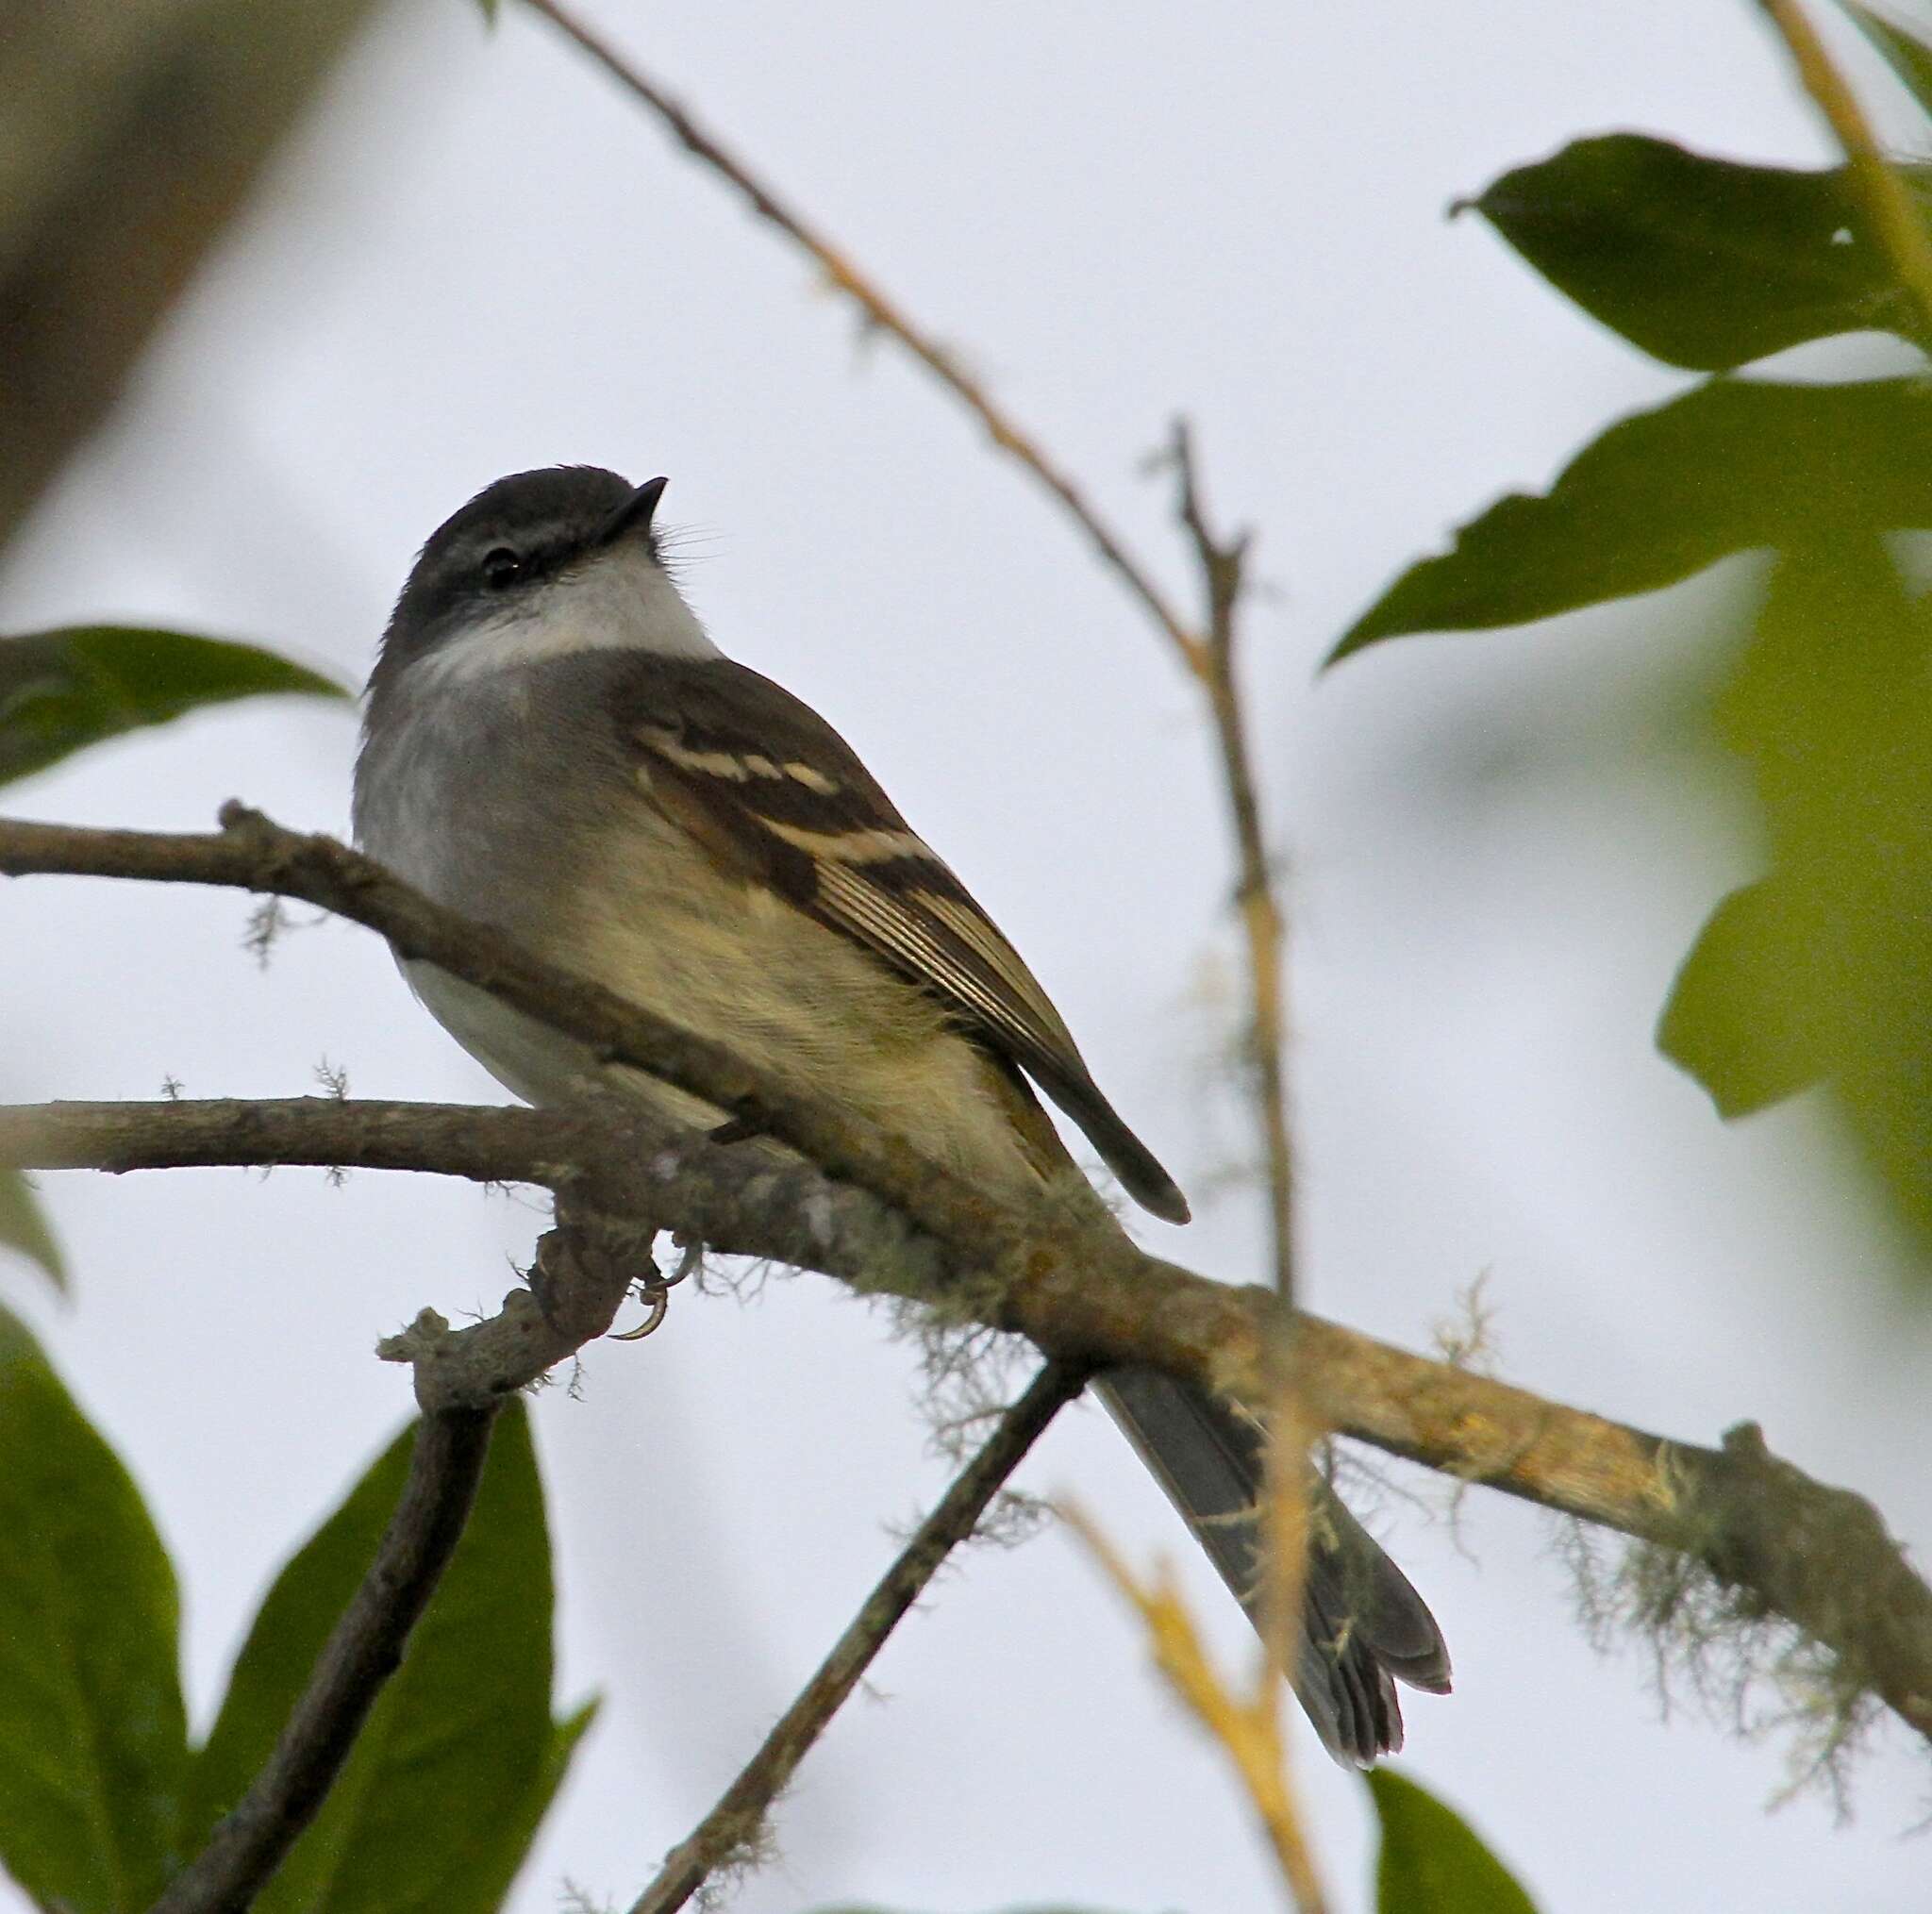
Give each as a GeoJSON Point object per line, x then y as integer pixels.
{"type": "Point", "coordinates": [480, 257]}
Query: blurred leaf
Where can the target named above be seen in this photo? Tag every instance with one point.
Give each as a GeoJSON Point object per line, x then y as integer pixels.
{"type": "Point", "coordinates": [91, 1716]}
{"type": "Point", "coordinates": [1907, 56]}
{"type": "Point", "coordinates": [1733, 465]}
{"type": "Point", "coordinates": [61, 691]}
{"type": "Point", "coordinates": [1704, 263]}
{"type": "Point", "coordinates": [1825, 968]}
{"type": "Point", "coordinates": [23, 1228]}
{"type": "Point", "coordinates": [1736, 1016]}
{"type": "Point", "coordinates": [1431, 1862]}
{"type": "Point", "coordinates": [459, 1757]}
{"type": "Point", "coordinates": [491, 10]}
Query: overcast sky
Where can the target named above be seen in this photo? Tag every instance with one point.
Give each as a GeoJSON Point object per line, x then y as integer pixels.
{"type": "Point", "coordinates": [478, 257]}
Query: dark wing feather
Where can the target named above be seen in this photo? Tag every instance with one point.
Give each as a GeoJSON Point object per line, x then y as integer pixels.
{"type": "Point", "coordinates": [775, 792]}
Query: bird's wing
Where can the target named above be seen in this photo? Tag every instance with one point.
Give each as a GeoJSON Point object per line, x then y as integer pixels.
{"type": "Point", "coordinates": [774, 793]}
{"type": "Point", "coordinates": [771, 791]}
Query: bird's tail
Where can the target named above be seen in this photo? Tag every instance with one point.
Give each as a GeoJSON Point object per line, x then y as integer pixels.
{"type": "Point", "coordinates": [1363, 1627]}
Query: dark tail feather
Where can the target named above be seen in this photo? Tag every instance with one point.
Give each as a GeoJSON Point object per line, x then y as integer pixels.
{"type": "Point", "coordinates": [1363, 1627]}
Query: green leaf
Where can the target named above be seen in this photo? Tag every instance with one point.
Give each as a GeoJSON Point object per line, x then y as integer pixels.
{"type": "Point", "coordinates": [459, 1757]}
{"type": "Point", "coordinates": [1704, 263]}
{"type": "Point", "coordinates": [1431, 1862]}
{"type": "Point", "coordinates": [93, 1739]}
{"type": "Point", "coordinates": [23, 1228]}
{"type": "Point", "coordinates": [1907, 56]}
{"type": "Point", "coordinates": [1733, 465]}
{"type": "Point", "coordinates": [62, 690]}
{"type": "Point", "coordinates": [1737, 1017]}
{"type": "Point", "coordinates": [492, 1869]}
{"type": "Point", "coordinates": [1825, 969]}
{"type": "Point", "coordinates": [492, 11]}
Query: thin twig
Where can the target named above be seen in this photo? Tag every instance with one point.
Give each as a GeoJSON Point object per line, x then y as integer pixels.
{"type": "Point", "coordinates": [733, 1826]}
{"type": "Point", "coordinates": [1284, 1522]}
{"type": "Point", "coordinates": [1895, 220]}
{"type": "Point", "coordinates": [883, 315]}
{"type": "Point", "coordinates": [1290, 1427]}
{"type": "Point", "coordinates": [1209, 655]}
{"type": "Point", "coordinates": [1793, 1546]}
{"type": "Point", "coordinates": [1222, 566]}
{"type": "Point", "coordinates": [1250, 1731]}
{"type": "Point", "coordinates": [363, 1651]}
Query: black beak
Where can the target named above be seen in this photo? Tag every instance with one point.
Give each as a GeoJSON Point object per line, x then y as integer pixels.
{"type": "Point", "coordinates": [635, 513]}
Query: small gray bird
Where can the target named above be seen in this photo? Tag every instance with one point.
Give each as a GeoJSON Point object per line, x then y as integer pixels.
{"type": "Point", "coordinates": [553, 744]}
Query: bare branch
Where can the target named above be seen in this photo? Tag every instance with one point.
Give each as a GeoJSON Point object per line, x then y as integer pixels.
{"type": "Point", "coordinates": [1819, 1555]}
{"type": "Point", "coordinates": [1223, 564]}
{"type": "Point", "coordinates": [363, 1652]}
{"type": "Point", "coordinates": [733, 1826]}
{"type": "Point", "coordinates": [1291, 1424]}
{"type": "Point", "coordinates": [881, 314]}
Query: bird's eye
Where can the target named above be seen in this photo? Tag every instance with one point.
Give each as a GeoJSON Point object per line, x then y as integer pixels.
{"type": "Point", "coordinates": [501, 567]}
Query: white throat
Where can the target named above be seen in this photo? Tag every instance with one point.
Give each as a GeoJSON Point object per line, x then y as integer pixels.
{"type": "Point", "coordinates": [619, 600]}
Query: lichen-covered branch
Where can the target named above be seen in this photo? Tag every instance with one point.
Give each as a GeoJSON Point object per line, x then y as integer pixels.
{"type": "Point", "coordinates": [1817, 1554]}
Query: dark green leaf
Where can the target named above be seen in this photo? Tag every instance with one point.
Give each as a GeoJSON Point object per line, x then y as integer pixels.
{"type": "Point", "coordinates": [459, 1754]}
{"type": "Point", "coordinates": [23, 1228]}
{"type": "Point", "coordinates": [1733, 465]}
{"type": "Point", "coordinates": [493, 1866]}
{"type": "Point", "coordinates": [61, 691]}
{"type": "Point", "coordinates": [1825, 968]}
{"type": "Point", "coordinates": [1431, 1862]}
{"type": "Point", "coordinates": [92, 1740]}
{"type": "Point", "coordinates": [1705, 263]}
{"type": "Point", "coordinates": [1907, 56]}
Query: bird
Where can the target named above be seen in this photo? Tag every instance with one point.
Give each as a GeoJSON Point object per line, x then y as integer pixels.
{"type": "Point", "coordinates": [554, 744]}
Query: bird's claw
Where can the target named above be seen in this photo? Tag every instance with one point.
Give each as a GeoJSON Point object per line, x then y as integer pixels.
{"type": "Point", "coordinates": [654, 1295]}
{"type": "Point", "coordinates": [654, 1292]}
